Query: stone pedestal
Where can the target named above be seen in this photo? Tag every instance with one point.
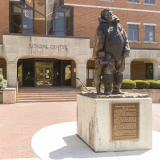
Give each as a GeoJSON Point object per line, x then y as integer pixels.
{"type": "Point", "coordinates": [94, 122]}
{"type": "Point", "coordinates": [8, 96]}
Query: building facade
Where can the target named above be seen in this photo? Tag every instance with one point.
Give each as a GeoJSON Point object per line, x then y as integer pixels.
{"type": "Point", "coordinates": [50, 42]}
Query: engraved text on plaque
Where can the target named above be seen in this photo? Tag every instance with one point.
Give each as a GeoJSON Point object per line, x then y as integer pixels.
{"type": "Point", "coordinates": [125, 120]}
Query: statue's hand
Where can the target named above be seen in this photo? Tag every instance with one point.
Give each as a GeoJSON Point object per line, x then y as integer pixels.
{"type": "Point", "coordinates": [126, 55]}
{"type": "Point", "coordinates": [117, 20]}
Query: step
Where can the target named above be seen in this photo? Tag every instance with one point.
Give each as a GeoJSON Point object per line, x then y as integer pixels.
{"type": "Point", "coordinates": [46, 97]}
{"type": "Point", "coordinates": [66, 93]}
{"type": "Point", "coordinates": [49, 100]}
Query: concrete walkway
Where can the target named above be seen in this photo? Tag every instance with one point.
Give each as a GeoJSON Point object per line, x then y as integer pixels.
{"type": "Point", "coordinates": [19, 122]}
{"type": "Point", "coordinates": [60, 142]}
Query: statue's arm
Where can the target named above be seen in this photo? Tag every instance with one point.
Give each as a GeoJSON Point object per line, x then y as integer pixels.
{"type": "Point", "coordinates": [98, 43]}
{"type": "Point", "coordinates": [126, 44]}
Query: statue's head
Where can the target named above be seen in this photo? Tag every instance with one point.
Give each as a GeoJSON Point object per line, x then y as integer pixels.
{"type": "Point", "coordinates": [107, 14]}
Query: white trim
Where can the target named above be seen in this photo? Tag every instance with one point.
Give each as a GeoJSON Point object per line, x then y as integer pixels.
{"type": "Point", "coordinates": [106, 0]}
{"type": "Point", "coordinates": [133, 3]}
{"type": "Point", "coordinates": [149, 4]}
{"type": "Point", "coordinates": [134, 23]}
{"type": "Point", "coordinates": [134, 41]}
{"type": "Point", "coordinates": [125, 9]}
{"type": "Point", "coordinates": [150, 42]}
{"type": "Point", "coordinates": [149, 24]}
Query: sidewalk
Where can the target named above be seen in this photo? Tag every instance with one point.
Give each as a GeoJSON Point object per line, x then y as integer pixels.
{"type": "Point", "coordinates": [19, 122]}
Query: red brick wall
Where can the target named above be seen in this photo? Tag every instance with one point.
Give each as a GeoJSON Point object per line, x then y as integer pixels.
{"type": "Point", "coordinates": [85, 19]}
{"type": "Point", "coordinates": [4, 18]}
{"type": "Point", "coordinates": [3, 64]}
{"type": "Point", "coordinates": [138, 70]}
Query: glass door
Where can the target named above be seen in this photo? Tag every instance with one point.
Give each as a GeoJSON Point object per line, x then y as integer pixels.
{"type": "Point", "coordinates": [43, 76]}
{"type": "Point", "coordinates": [48, 77]}
{"type": "Point", "coordinates": [39, 77]}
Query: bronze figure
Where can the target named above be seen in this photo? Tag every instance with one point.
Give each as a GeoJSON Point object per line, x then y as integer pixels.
{"type": "Point", "coordinates": [111, 47]}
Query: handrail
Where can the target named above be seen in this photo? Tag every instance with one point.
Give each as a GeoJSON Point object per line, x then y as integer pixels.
{"type": "Point", "coordinates": [83, 85]}
{"type": "Point", "coordinates": [17, 89]}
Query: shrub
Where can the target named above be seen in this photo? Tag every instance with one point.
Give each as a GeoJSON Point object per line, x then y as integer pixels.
{"type": "Point", "coordinates": [3, 83]}
{"type": "Point", "coordinates": [128, 84]}
{"type": "Point", "coordinates": [140, 84]}
{"type": "Point", "coordinates": [154, 84]}
{"type": "Point", "coordinates": [1, 77]}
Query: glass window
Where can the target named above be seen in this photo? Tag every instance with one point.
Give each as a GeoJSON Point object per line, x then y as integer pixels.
{"type": "Point", "coordinates": [69, 18]}
{"type": "Point", "coordinates": [27, 19]}
{"type": "Point", "coordinates": [1, 71]}
{"type": "Point", "coordinates": [15, 28]}
{"type": "Point", "coordinates": [90, 73]}
{"type": "Point", "coordinates": [29, 2]}
{"type": "Point", "coordinates": [49, 6]}
{"type": "Point", "coordinates": [149, 70]}
{"type": "Point", "coordinates": [133, 1]}
{"type": "Point", "coordinates": [149, 1]}
{"type": "Point", "coordinates": [39, 23]}
{"type": "Point", "coordinates": [39, 5]}
{"type": "Point", "coordinates": [149, 33]}
{"type": "Point", "coordinates": [15, 19]}
{"type": "Point", "coordinates": [26, 31]}
{"type": "Point", "coordinates": [58, 3]}
{"type": "Point", "coordinates": [56, 33]}
{"type": "Point", "coordinates": [133, 32]}
{"type": "Point", "coordinates": [69, 32]}
{"type": "Point", "coordinates": [59, 21]}
{"type": "Point", "coordinates": [49, 21]}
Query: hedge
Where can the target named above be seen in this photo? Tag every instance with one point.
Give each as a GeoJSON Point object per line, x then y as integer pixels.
{"type": "Point", "coordinates": [3, 83]}
{"type": "Point", "coordinates": [140, 84]}
{"type": "Point", "coordinates": [154, 84]}
{"type": "Point", "coordinates": [128, 84]}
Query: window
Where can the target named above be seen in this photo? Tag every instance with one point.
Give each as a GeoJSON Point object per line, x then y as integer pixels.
{"type": "Point", "coordinates": [133, 1]}
{"type": "Point", "coordinates": [149, 70]}
{"type": "Point", "coordinates": [149, 33]}
{"type": "Point", "coordinates": [133, 32]}
{"type": "Point", "coordinates": [1, 70]}
{"type": "Point", "coordinates": [63, 21]}
{"type": "Point", "coordinates": [149, 1]}
{"type": "Point", "coordinates": [90, 73]}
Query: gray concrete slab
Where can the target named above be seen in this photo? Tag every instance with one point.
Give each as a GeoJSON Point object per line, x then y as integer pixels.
{"type": "Point", "coordinates": [60, 142]}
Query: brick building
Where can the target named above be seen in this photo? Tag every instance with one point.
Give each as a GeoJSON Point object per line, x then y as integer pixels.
{"type": "Point", "coordinates": [72, 24]}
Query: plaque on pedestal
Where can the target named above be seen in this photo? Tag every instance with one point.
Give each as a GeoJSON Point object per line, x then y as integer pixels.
{"type": "Point", "coordinates": [125, 121]}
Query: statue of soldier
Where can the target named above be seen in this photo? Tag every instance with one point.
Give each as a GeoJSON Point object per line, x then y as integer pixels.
{"type": "Point", "coordinates": [111, 39]}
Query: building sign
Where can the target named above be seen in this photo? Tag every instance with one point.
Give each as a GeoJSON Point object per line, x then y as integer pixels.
{"type": "Point", "coordinates": [125, 121]}
{"type": "Point", "coordinates": [44, 46]}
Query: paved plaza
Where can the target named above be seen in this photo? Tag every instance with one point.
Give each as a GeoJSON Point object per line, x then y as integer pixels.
{"type": "Point", "coordinates": [19, 122]}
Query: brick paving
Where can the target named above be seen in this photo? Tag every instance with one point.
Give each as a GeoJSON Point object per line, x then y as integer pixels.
{"type": "Point", "coordinates": [19, 122]}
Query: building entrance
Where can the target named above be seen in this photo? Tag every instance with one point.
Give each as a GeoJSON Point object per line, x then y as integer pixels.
{"type": "Point", "coordinates": [43, 76]}
{"type": "Point", "coordinates": [46, 72]}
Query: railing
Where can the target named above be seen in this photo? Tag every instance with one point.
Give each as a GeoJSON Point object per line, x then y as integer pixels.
{"type": "Point", "coordinates": [83, 86]}
{"type": "Point", "coordinates": [17, 90]}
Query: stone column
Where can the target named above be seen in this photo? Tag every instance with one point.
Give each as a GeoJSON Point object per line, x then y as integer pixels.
{"type": "Point", "coordinates": [12, 74]}
{"type": "Point", "coordinates": [159, 72]}
{"type": "Point", "coordinates": [126, 73]}
{"type": "Point", "coordinates": [81, 74]}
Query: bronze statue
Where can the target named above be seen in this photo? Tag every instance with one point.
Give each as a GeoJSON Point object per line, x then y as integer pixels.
{"type": "Point", "coordinates": [111, 47]}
